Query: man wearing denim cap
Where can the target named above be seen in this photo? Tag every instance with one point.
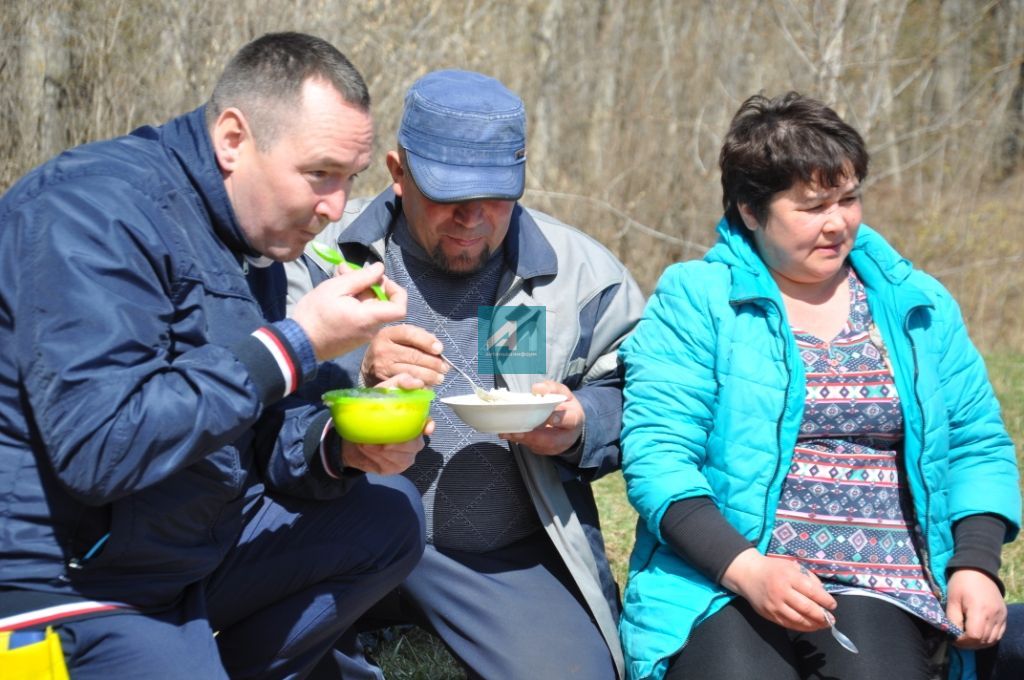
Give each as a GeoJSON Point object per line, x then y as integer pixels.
{"type": "Point", "coordinates": [515, 580]}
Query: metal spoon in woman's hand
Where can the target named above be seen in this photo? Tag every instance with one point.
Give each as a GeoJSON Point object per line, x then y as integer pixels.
{"type": "Point", "coordinates": [334, 256]}
{"type": "Point", "coordinates": [844, 641]}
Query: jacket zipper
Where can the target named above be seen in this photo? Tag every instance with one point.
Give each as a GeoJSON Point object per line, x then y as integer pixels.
{"type": "Point", "coordinates": [76, 563]}
{"type": "Point", "coordinates": [517, 284]}
{"type": "Point", "coordinates": [775, 472]}
{"type": "Point", "coordinates": [778, 423]}
{"type": "Point", "coordinates": [926, 524]}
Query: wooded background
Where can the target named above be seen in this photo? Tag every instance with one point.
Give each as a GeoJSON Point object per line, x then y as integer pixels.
{"type": "Point", "coordinates": [628, 101]}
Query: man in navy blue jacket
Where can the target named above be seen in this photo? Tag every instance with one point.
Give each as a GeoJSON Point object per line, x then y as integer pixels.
{"type": "Point", "coordinates": [160, 479]}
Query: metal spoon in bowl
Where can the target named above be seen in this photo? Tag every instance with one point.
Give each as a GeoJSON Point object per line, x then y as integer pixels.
{"type": "Point", "coordinates": [845, 642]}
{"type": "Point", "coordinates": [334, 256]}
{"type": "Point", "coordinates": [481, 393]}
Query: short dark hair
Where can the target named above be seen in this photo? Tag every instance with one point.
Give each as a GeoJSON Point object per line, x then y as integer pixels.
{"type": "Point", "coordinates": [774, 143]}
{"type": "Point", "coordinates": [265, 78]}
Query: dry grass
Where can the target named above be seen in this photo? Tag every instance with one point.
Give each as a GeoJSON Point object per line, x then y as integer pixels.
{"type": "Point", "coordinates": [1007, 373]}
{"type": "Point", "coordinates": [627, 100]}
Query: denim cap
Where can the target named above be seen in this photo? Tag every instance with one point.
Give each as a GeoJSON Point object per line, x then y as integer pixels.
{"type": "Point", "coordinates": [464, 136]}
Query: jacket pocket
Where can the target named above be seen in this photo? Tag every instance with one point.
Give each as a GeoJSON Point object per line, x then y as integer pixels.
{"type": "Point", "coordinates": [97, 548]}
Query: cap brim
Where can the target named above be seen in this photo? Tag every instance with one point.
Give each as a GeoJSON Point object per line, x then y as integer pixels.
{"type": "Point", "coordinates": [444, 183]}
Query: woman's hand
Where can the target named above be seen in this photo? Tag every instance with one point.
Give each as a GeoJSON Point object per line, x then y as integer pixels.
{"type": "Point", "coordinates": [977, 607]}
{"type": "Point", "coordinates": [780, 590]}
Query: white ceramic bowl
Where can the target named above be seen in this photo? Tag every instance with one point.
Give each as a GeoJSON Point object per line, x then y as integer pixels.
{"type": "Point", "coordinates": [514, 412]}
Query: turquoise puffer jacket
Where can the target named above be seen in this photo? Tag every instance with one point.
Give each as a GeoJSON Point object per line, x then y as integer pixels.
{"type": "Point", "coordinates": [713, 402]}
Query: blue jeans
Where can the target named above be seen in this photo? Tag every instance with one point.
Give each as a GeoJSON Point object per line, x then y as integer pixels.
{"type": "Point", "coordinates": [300, 574]}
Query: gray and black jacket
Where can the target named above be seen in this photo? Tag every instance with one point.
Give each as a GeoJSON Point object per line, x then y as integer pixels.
{"type": "Point", "coordinates": [591, 303]}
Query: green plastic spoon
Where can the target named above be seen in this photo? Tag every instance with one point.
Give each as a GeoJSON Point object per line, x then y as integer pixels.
{"type": "Point", "coordinates": [334, 256]}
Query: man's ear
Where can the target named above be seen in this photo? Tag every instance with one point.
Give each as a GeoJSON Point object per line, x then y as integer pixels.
{"type": "Point", "coordinates": [397, 170]}
{"type": "Point", "coordinates": [748, 217]}
{"type": "Point", "coordinates": [230, 135]}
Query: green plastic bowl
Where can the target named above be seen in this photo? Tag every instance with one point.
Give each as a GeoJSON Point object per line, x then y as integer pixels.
{"type": "Point", "coordinates": [377, 415]}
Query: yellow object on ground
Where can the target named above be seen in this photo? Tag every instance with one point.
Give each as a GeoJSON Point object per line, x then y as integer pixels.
{"type": "Point", "coordinates": [22, 657]}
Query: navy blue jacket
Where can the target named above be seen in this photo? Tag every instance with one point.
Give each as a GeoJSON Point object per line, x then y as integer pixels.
{"type": "Point", "coordinates": [136, 402]}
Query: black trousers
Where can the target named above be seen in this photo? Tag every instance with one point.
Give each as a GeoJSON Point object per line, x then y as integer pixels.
{"type": "Point", "coordinates": [737, 643]}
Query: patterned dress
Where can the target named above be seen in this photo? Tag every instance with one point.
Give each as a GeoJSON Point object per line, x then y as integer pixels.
{"type": "Point", "coordinates": [845, 512]}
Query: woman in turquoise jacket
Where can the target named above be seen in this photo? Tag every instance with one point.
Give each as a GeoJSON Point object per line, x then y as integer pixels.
{"type": "Point", "coordinates": [809, 437]}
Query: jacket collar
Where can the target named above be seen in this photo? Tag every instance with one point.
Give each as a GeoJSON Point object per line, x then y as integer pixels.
{"type": "Point", "coordinates": [750, 276]}
{"type": "Point", "coordinates": [880, 267]}
{"type": "Point", "coordinates": [527, 252]}
{"type": "Point", "coordinates": [188, 139]}
{"type": "Point", "coordinates": [877, 264]}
